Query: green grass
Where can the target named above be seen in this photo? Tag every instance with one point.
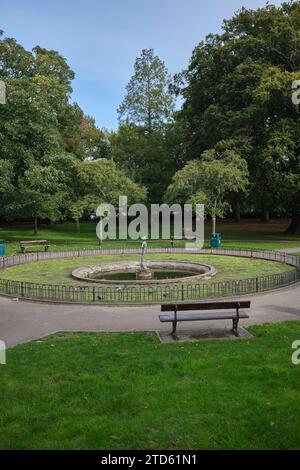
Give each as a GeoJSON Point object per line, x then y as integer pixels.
{"type": "Point", "coordinates": [127, 391]}
{"type": "Point", "coordinates": [59, 271]}
{"type": "Point", "coordinates": [247, 234]}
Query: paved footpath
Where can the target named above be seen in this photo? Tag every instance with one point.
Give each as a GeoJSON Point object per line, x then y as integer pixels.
{"type": "Point", "coordinates": [22, 321]}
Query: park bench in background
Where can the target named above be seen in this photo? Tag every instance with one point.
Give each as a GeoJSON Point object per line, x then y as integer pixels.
{"type": "Point", "coordinates": [32, 244]}
{"type": "Point", "coordinates": [234, 315]}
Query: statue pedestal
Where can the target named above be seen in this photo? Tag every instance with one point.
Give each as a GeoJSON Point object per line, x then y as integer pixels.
{"type": "Point", "coordinates": [143, 274]}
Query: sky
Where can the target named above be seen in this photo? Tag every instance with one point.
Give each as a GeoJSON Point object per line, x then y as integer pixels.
{"type": "Point", "coordinates": [101, 39]}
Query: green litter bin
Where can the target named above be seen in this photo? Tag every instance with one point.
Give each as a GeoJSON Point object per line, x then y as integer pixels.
{"type": "Point", "coordinates": [215, 240]}
{"type": "Point", "coordinates": [2, 247]}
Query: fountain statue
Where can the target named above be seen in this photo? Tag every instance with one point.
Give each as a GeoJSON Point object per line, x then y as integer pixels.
{"type": "Point", "coordinates": [144, 246]}
{"type": "Point", "coordinates": [142, 272]}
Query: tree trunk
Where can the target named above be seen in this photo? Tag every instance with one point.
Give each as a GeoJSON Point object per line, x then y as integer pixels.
{"type": "Point", "coordinates": [35, 229]}
{"type": "Point", "coordinates": [237, 212]}
{"type": "Point", "coordinates": [51, 224]}
{"type": "Point", "coordinates": [78, 225]}
{"type": "Point", "coordinates": [265, 216]}
{"type": "Point", "coordinates": [294, 226]}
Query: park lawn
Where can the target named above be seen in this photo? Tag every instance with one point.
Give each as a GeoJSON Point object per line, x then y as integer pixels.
{"type": "Point", "coordinates": [247, 234]}
{"type": "Point", "coordinates": [128, 391]}
{"type": "Point", "coordinates": [59, 271]}
{"type": "Point", "coordinates": [13, 248]}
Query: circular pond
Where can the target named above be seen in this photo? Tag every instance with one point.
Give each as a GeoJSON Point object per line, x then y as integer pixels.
{"type": "Point", "coordinates": [164, 271]}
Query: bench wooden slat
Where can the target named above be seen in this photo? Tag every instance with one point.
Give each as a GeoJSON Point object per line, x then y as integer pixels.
{"type": "Point", "coordinates": [205, 306]}
{"type": "Point", "coordinates": [33, 242]}
{"type": "Point", "coordinates": [203, 316]}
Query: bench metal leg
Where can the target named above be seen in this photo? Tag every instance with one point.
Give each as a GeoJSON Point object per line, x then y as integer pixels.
{"type": "Point", "coordinates": [235, 321]}
{"type": "Point", "coordinates": [174, 323]}
{"type": "Point", "coordinates": [235, 326]}
{"type": "Point", "coordinates": [173, 333]}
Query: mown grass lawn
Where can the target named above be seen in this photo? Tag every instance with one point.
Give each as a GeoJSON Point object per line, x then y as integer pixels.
{"type": "Point", "coordinates": [247, 234]}
{"type": "Point", "coordinates": [128, 391]}
{"type": "Point", "coordinates": [59, 271]}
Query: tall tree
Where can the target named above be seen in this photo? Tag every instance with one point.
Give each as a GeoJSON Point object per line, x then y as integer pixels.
{"type": "Point", "coordinates": [149, 102]}
{"type": "Point", "coordinates": [238, 86]}
{"type": "Point", "coordinates": [46, 140]}
{"type": "Point", "coordinates": [142, 143]}
{"type": "Point", "coordinates": [36, 100]}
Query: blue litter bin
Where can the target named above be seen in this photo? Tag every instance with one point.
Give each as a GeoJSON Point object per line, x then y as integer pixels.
{"type": "Point", "coordinates": [2, 247]}
{"type": "Point", "coordinates": [215, 240]}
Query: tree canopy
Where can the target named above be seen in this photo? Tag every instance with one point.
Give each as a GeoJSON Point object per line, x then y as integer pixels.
{"type": "Point", "coordinates": [46, 140]}
{"type": "Point", "coordinates": [211, 180]}
{"type": "Point", "coordinates": [232, 144]}
{"type": "Point", "coordinates": [238, 87]}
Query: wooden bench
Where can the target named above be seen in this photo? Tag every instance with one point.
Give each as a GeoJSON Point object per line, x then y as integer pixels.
{"type": "Point", "coordinates": [33, 243]}
{"type": "Point", "coordinates": [176, 317]}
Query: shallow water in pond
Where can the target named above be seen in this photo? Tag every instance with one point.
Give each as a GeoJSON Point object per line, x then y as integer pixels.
{"type": "Point", "coordinates": [129, 276]}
